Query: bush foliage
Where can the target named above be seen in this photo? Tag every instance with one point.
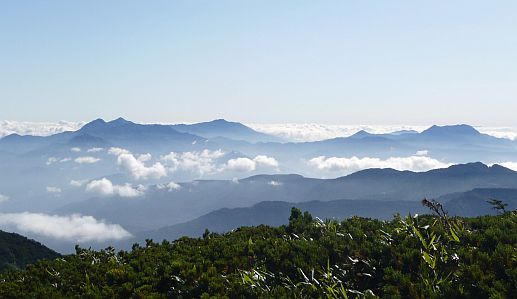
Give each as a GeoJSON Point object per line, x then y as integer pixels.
{"type": "Point", "coordinates": [430, 256]}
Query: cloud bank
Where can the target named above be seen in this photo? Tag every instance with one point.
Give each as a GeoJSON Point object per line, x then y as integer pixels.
{"type": "Point", "coordinates": [510, 165]}
{"type": "Point", "coordinates": [37, 128]}
{"type": "Point", "coordinates": [71, 228]}
{"type": "Point", "coordinates": [349, 165]}
{"type": "Point", "coordinates": [315, 132]}
{"type": "Point", "coordinates": [300, 132]}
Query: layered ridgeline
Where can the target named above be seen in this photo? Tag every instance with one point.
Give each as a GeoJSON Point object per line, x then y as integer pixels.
{"type": "Point", "coordinates": [414, 257]}
{"type": "Point", "coordinates": [396, 191]}
{"type": "Point", "coordinates": [16, 252]}
{"type": "Point", "coordinates": [275, 213]}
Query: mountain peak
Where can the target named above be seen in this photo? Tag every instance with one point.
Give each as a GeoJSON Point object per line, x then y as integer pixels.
{"type": "Point", "coordinates": [361, 134]}
{"type": "Point", "coordinates": [119, 120]}
{"type": "Point", "coordinates": [452, 130]}
{"type": "Point", "coordinates": [94, 124]}
{"type": "Point", "coordinates": [474, 168]}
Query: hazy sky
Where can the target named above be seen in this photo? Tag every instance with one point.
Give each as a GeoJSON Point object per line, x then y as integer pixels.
{"type": "Point", "coordinates": [347, 62]}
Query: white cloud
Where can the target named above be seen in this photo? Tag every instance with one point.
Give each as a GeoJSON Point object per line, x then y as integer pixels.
{"type": "Point", "coordinates": [105, 187]}
{"type": "Point", "coordinates": [241, 164]}
{"type": "Point", "coordinates": [95, 150]}
{"type": "Point", "coordinates": [275, 183]}
{"type": "Point", "coordinates": [3, 198]}
{"type": "Point", "coordinates": [75, 183]}
{"type": "Point", "coordinates": [172, 186]}
{"type": "Point", "coordinates": [86, 160]}
{"type": "Point", "coordinates": [37, 128]}
{"type": "Point", "coordinates": [72, 227]}
{"type": "Point", "coordinates": [144, 157]}
{"type": "Point", "coordinates": [53, 190]}
{"type": "Point", "coordinates": [266, 161]}
{"type": "Point", "coordinates": [138, 170]}
{"type": "Point", "coordinates": [422, 153]}
{"type": "Point", "coordinates": [246, 164]}
{"type": "Point", "coordinates": [348, 165]}
{"type": "Point", "coordinates": [117, 151]}
{"type": "Point", "coordinates": [52, 160]}
{"type": "Point", "coordinates": [203, 162]}
{"type": "Point", "coordinates": [75, 149]}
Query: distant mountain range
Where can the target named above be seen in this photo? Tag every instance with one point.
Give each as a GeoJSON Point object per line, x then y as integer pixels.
{"type": "Point", "coordinates": [468, 204]}
{"type": "Point", "coordinates": [196, 198]}
{"type": "Point", "coordinates": [225, 129]}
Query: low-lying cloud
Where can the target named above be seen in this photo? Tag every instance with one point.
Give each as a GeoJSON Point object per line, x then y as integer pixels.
{"type": "Point", "coordinates": [105, 187]}
{"type": "Point", "coordinates": [137, 168]}
{"type": "Point", "coordinates": [349, 165]}
{"type": "Point", "coordinates": [172, 186]}
{"type": "Point", "coordinates": [73, 227]}
{"type": "Point", "coordinates": [201, 163]}
{"type": "Point", "coordinates": [246, 164]}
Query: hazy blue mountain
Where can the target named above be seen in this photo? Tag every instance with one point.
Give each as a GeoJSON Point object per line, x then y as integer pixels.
{"type": "Point", "coordinates": [121, 132]}
{"type": "Point", "coordinates": [16, 251]}
{"type": "Point", "coordinates": [277, 213]}
{"type": "Point", "coordinates": [197, 198]}
{"type": "Point", "coordinates": [225, 129]}
{"type": "Point", "coordinates": [474, 202]}
{"type": "Point", "coordinates": [469, 204]}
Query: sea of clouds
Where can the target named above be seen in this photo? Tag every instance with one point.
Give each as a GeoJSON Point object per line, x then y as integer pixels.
{"type": "Point", "coordinates": [314, 132]}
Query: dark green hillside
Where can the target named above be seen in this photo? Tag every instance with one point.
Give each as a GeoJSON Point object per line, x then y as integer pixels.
{"type": "Point", "coordinates": [16, 252]}
{"type": "Point", "coordinates": [412, 257]}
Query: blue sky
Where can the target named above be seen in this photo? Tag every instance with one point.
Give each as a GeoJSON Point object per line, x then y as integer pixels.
{"type": "Point", "coordinates": [346, 62]}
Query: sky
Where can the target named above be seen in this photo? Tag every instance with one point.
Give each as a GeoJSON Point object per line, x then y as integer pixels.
{"type": "Point", "coordinates": [333, 62]}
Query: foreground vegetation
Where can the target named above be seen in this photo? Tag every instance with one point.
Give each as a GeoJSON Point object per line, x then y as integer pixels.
{"type": "Point", "coordinates": [411, 257]}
